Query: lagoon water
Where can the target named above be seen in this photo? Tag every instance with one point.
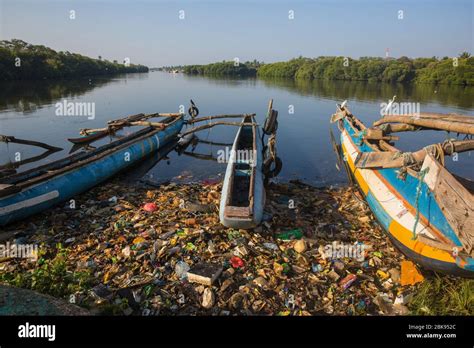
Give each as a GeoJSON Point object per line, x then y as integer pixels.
{"type": "Point", "coordinates": [27, 111]}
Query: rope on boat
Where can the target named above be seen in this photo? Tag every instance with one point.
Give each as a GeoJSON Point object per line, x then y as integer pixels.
{"type": "Point", "coordinates": [360, 136]}
{"type": "Point", "coordinates": [408, 159]}
{"type": "Point", "coordinates": [384, 127]}
{"type": "Point", "coordinates": [272, 158]}
{"type": "Point", "coordinates": [437, 151]}
{"type": "Point", "coordinates": [450, 143]}
{"type": "Point", "coordinates": [421, 177]}
{"type": "Point", "coordinates": [271, 146]}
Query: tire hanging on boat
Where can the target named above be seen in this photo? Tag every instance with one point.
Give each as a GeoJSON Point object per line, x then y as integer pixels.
{"type": "Point", "coordinates": [271, 158]}
{"type": "Point", "coordinates": [193, 111]}
{"type": "Point", "coordinates": [271, 173]}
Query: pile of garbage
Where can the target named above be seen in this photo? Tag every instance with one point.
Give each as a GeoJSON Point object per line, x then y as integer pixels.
{"type": "Point", "coordinates": [162, 251]}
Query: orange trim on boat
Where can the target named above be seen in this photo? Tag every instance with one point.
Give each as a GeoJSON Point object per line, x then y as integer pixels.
{"type": "Point", "coordinates": [401, 233]}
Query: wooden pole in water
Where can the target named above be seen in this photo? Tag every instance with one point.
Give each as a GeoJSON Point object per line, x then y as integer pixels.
{"type": "Point", "coordinates": [12, 139]}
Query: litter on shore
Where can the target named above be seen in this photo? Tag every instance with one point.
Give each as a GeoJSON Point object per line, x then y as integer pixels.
{"type": "Point", "coordinates": [142, 250]}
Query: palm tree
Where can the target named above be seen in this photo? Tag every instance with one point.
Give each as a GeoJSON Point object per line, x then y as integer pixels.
{"type": "Point", "coordinates": [465, 55]}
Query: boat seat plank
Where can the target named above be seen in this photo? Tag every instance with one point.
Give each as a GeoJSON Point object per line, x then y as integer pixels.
{"type": "Point", "coordinates": [243, 172]}
{"type": "Point", "coordinates": [239, 212]}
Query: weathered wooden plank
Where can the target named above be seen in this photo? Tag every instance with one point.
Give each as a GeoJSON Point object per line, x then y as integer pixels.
{"type": "Point", "coordinates": [455, 201]}
{"type": "Point", "coordinates": [447, 125]}
{"type": "Point", "coordinates": [439, 116]}
{"type": "Point", "coordinates": [242, 212]}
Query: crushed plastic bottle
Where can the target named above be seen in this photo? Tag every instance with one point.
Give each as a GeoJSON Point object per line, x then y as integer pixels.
{"type": "Point", "coordinates": [181, 269]}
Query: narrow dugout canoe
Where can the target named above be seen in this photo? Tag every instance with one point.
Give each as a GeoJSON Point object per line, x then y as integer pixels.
{"type": "Point", "coordinates": [427, 214]}
{"type": "Point", "coordinates": [243, 193]}
{"type": "Point", "coordinates": [35, 190]}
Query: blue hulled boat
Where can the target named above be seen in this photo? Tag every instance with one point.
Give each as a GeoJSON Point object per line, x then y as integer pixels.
{"type": "Point", "coordinates": [35, 190]}
{"type": "Point", "coordinates": [425, 210]}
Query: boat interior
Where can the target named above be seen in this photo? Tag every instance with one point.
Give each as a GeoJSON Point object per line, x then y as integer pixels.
{"type": "Point", "coordinates": [241, 183]}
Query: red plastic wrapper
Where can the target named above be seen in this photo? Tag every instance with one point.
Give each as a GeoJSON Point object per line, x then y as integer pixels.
{"type": "Point", "coordinates": [347, 281]}
{"type": "Point", "coordinates": [150, 207]}
{"type": "Point", "coordinates": [236, 262]}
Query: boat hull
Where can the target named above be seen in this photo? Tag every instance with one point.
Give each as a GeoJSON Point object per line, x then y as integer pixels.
{"type": "Point", "coordinates": [395, 204]}
{"type": "Point", "coordinates": [259, 190]}
{"type": "Point", "coordinates": [60, 188]}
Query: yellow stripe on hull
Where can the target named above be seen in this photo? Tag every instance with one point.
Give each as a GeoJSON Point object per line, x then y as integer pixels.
{"type": "Point", "coordinates": [399, 232]}
{"type": "Point", "coordinates": [404, 236]}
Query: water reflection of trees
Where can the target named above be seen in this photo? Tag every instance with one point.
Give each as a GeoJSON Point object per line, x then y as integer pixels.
{"type": "Point", "coordinates": [223, 81]}
{"type": "Point", "coordinates": [459, 96]}
{"type": "Point", "coordinates": [28, 96]}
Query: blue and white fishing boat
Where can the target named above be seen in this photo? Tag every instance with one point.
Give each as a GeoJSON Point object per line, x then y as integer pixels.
{"type": "Point", "coordinates": [425, 210]}
{"type": "Point", "coordinates": [35, 190]}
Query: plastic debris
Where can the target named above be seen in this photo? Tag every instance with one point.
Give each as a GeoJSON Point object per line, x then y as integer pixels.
{"type": "Point", "coordinates": [171, 256]}
{"type": "Point", "coordinates": [208, 298]}
{"type": "Point", "coordinates": [300, 246]}
{"type": "Point", "coordinates": [150, 207]}
{"type": "Point", "coordinates": [291, 234]}
{"type": "Point", "coordinates": [410, 274]}
{"type": "Point", "coordinates": [181, 269]}
{"type": "Point", "coordinates": [236, 262]}
{"type": "Point", "coordinates": [271, 246]}
{"type": "Point", "coordinates": [348, 281]}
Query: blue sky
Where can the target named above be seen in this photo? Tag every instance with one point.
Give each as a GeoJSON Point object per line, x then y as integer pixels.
{"type": "Point", "coordinates": [151, 33]}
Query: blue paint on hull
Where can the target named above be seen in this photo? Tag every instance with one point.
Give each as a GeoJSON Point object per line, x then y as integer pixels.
{"type": "Point", "coordinates": [407, 188]}
{"type": "Point", "coordinates": [428, 207]}
{"type": "Point", "coordinates": [83, 178]}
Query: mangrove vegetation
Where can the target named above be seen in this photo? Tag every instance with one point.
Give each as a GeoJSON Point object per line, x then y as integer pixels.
{"type": "Point", "coordinates": [23, 61]}
{"type": "Point", "coordinates": [455, 71]}
{"type": "Point", "coordinates": [225, 68]}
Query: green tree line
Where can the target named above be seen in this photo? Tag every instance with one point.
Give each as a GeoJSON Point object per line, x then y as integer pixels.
{"type": "Point", "coordinates": [228, 68]}
{"type": "Point", "coordinates": [22, 61]}
{"type": "Point", "coordinates": [458, 71]}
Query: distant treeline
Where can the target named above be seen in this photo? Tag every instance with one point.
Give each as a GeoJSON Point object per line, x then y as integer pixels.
{"type": "Point", "coordinates": [458, 71]}
{"type": "Point", "coordinates": [229, 68]}
{"type": "Point", "coordinates": [22, 61]}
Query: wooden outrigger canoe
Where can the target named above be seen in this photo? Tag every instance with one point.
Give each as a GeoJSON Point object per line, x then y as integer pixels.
{"type": "Point", "coordinates": [35, 190]}
{"type": "Point", "coordinates": [425, 210]}
{"type": "Point", "coordinates": [243, 193]}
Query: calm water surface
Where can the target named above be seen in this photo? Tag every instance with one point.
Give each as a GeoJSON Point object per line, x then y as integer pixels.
{"type": "Point", "coordinates": [27, 111]}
